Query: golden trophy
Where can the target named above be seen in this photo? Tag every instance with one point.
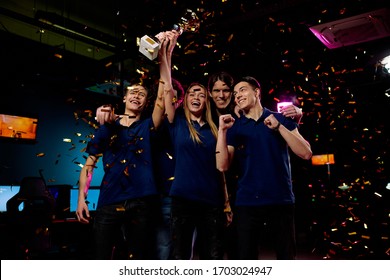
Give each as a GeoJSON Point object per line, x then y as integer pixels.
{"type": "Point", "coordinates": [149, 46]}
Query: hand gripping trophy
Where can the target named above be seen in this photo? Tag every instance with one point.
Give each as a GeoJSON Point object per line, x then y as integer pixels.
{"type": "Point", "coordinates": [149, 46]}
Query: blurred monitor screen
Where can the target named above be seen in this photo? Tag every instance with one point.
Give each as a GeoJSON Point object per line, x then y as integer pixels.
{"type": "Point", "coordinates": [6, 192]}
{"type": "Point", "coordinates": [18, 127]}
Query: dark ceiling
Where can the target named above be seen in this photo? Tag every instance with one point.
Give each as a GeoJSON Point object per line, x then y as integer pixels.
{"type": "Point", "coordinates": [268, 39]}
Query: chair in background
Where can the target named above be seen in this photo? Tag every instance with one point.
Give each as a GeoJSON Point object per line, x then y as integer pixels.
{"type": "Point", "coordinates": [31, 212]}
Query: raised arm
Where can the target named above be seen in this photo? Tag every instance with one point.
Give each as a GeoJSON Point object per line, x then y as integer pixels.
{"type": "Point", "coordinates": [165, 89]}
{"type": "Point", "coordinates": [165, 74]}
{"type": "Point", "coordinates": [223, 152]}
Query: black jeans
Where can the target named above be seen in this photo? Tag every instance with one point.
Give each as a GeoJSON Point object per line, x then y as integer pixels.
{"type": "Point", "coordinates": [208, 220]}
{"type": "Point", "coordinates": [279, 219]}
{"type": "Point", "coordinates": [126, 230]}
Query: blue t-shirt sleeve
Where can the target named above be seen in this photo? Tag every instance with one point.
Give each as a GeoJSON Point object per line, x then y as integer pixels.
{"type": "Point", "coordinates": [178, 121]}
{"type": "Point", "coordinates": [170, 127]}
{"type": "Point", "coordinates": [101, 139]}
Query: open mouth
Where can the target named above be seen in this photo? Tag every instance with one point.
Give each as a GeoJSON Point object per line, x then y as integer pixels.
{"type": "Point", "coordinates": [135, 102]}
{"type": "Point", "coordinates": [195, 103]}
{"type": "Point", "coordinates": [241, 101]}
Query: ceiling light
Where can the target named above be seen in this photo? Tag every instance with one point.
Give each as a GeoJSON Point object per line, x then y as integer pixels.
{"type": "Point", "coordinates": [385, 62]}
{"type": "Point", "coordinates": [353, 30]}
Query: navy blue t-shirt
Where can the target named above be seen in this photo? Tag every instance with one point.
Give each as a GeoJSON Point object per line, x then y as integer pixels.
{"type": "Point", "coordinates": [196, 176]}
{"type": "Point", "coordinates": [127, 160]}
{"type": "Point", "coordinates": [264, 171]}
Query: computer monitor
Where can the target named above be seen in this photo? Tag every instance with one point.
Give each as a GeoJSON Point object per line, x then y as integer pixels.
{"type": "Point", "coordinates": [6, 192]}
{"type": "Point", "coordinates": [16, 127]}
{"type": "Point", "coordinates": [92, 198]}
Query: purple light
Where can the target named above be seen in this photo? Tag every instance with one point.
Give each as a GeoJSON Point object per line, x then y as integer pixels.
{"type": "Point", "coordinates": [280, 105]}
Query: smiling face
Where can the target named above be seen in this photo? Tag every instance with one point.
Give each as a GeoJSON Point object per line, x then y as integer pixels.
{"type": "Point", "coordinates": [245, 96]}
{"type": "Point", "coordinates": [195, 100]}
{"type": "Point", "coordinates": [135, 99]}
{"type": "Point", "coordinates": [221, 94]}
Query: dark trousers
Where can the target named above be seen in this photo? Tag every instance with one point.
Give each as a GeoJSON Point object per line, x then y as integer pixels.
{"type": "Point", "coordinates": [126, 230]}
{"type": "Point", "coordinates": [208, 220]}
{"type": "Point", "coordinates": [280, 221]}
{"type": "Point", "coordinates": [163, 228]}
{"type": "Point", "coordinates": [230, 240]}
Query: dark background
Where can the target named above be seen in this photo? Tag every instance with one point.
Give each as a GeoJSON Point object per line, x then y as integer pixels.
{"type": "Point", "coordinates": [61, 78]}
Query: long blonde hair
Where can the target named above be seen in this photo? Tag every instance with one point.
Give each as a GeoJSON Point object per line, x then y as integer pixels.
{"type": "Point", "coordinates": [206, 115]}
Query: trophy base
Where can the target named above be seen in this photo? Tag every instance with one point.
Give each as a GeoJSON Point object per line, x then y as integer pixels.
{"type": "Point", "coordinates": [149, 47]}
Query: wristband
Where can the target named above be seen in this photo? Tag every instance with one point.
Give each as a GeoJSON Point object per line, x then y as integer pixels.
{"type": "Point", "coordinates": [277, 127]}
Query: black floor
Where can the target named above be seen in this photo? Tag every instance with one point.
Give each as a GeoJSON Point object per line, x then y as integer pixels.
{"type": "Point", "coordinates": [68, 239]}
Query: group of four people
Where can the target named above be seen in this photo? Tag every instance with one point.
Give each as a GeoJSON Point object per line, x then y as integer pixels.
{"type": "Point", "coordinates": [174, 176]}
